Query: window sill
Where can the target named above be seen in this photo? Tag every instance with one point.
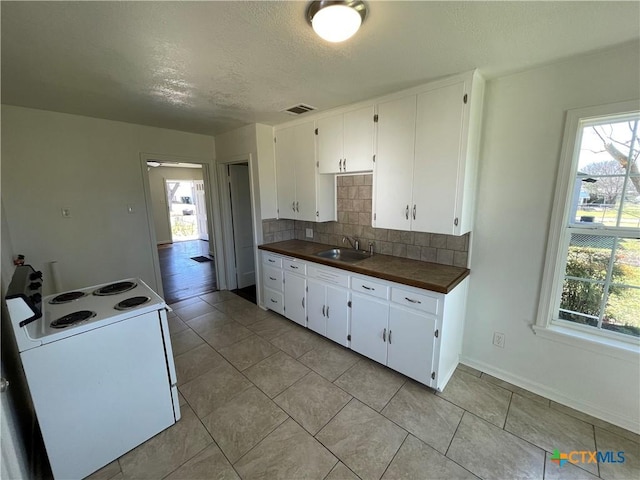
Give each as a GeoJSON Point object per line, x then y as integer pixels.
{"type": "Point", "coordinates": [627, 351]}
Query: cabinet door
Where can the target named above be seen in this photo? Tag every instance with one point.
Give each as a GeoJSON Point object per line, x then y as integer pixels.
{"type": "Point", "coordinates": [316, 307]}
{"type": "Point", "coordinates": [410, 343]}
{"type": "Point", "coordinates": [437, 174]}
{"type": "Point", "coordinates": [369, 327]}
{"type": "Point", "coordinates": [330, 140]}
{"type": "Point", "coordinates": [295, 298]}
{"type": "Point", "coordinates": [394, 163]}
{"type": "Point", "coordinates": [358, 140]}
{"type": "Point", "coordinates": [305, 171]}
{"type": "Point", "coordinates": [285, 178]}
{"type": "Point", "coordinates": [337, 313]}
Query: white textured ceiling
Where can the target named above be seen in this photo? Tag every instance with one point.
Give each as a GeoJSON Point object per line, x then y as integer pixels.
{"type": "Point", "coordinates": [209, 67]}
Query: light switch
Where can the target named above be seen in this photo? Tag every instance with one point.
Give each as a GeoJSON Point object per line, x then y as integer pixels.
{"type": "Point", "coordinates": [66, 212]}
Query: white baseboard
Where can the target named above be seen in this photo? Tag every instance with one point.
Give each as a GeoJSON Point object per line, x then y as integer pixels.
{"type": "Point", "coordinates": [555, 395]}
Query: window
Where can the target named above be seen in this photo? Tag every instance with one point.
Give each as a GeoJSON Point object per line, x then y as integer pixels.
{"type": "Point", "coordinates": [592, 275]}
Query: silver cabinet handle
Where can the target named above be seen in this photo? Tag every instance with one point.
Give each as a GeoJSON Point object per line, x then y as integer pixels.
{"type": "Point", "coordinates": [384, 335]}
{"type": "Point", "coordinates": [344, 164]}
{"type": "Point", "coordinates": [302, 302]}
{"type": "Point", "coordinates": [293, 206]}
{"type": "Point", "coordinates": [297, 206]}
{"type": "Point", "coordinates": [323, 311]}
{"type": "Point", "coordinates": [273, 301]}
{"type": "Point", "coordinates": [367, 288]}
{"type": "Point", "coordinates": [406, 212]}
{"type": "Point", "coordinates": [295, 267]}
{"type": "Point", "coordinates": [272, 260]}
{"type": "Point", "coordinates": [414, 212]}
{"type": "Point", "coordinates": [327, 311]}
{"type": "Point", "coordinates": [389, 337]}
{"type": "Point", "coordinates": [412, 300]}
{"type": "Point", "coordinates": [272, 278]}
{"type": "Point", "coordinates": [340, 164]}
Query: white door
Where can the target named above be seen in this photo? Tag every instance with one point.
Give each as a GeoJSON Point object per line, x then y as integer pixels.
{"type": "Point", "coordinates": [201, 209]}
{"type": "Point", "coordinates": [285, 173]}
{"type": "Point", "coordinates": [242, 224]}
{"type": "Point", "coordinates": [305, 168]}
{"type": "Point", "coordinates": [394, 163]}
{"type": "Point", "coordinates": [330, 144]}
{"type": "Point", "coordinates": [369, 327]}
{"type": "Point", "coordinates": [295, 298]}
{"type": "Point", "coordinates": [358, 140]}
{"type": "Point", "coordinates": [439, 122]}
{"type": "Point", "coordinates": [410, 343]}
{"type": "Point", "coordinates": [316, 307]}
{"type": "Point", "coordinates": [337, 314]}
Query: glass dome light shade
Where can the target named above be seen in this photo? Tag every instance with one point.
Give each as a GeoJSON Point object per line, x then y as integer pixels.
{"type": "Point", "coordinates": [336, 23]}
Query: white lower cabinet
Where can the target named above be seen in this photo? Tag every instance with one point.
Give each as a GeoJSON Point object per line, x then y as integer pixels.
{"type": "Point", "coordinates": [369, 319]}
{"type": "Point", "coordinates": [413, 331]}
{"type": "Point", "coordinates": [328, 311]}
{"type": "Point", "coordinates": [410, 343]}
{"type": "Point", "coordinates": [295, 298]}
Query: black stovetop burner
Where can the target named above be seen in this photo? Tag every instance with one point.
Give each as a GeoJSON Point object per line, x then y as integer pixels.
{"type": "Point", "coordinates": [132, 302]}
{"type": "Point", "coordinates": [66, 297]}
{"type": "Point", "coordinates": [73, 318]}
{"type": "Point", "coordinates": [115, 288]}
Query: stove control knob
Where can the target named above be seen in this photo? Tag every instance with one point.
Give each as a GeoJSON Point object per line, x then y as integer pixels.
{"type": "Point", "coordinates": [35, 276]}
{"type": "Point", "coordinates": [35, 285]}
{"type": "Point", "coordinates": [36, 298]}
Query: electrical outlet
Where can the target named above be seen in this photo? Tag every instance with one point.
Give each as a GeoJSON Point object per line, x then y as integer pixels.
{"type": "Point", "coordinates": [309, 232]}
{"type": "Point", "coordinates": [498, 339]}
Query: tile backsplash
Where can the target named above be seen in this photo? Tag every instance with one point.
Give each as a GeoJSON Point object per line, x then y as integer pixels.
{"type": "Point", "coordinates": [354, 205]}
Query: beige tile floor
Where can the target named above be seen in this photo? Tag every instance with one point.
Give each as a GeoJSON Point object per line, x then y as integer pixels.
{"type": "Point", "coordinates": [263, 398]}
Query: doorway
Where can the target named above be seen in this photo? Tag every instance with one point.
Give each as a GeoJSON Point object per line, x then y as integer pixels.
{"type": "Point", "coordinates": [182, 223]}
{"type": "Point", "coordinates": [186, 210]}
{"type": "Point", "coordinates": [241, 238]}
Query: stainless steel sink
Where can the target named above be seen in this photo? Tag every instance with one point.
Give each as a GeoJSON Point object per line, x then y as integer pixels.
{"type": "Point", "coordinates": [343, 255]}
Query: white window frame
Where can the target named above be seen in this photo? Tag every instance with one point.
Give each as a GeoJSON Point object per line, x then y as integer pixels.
{"type": "Point", "coordinates": [553, 275]}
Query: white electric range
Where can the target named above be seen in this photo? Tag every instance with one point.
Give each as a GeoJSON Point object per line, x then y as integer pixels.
{"type": "Point", "coordinates": [99, 367]}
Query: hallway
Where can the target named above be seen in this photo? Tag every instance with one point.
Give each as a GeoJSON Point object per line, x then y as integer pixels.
{"type": "Point", "coordinates": [183, 277]}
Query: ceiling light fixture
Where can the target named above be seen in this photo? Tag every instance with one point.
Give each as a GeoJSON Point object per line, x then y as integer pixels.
{"type": "Point", "coordinates": [336, 21]}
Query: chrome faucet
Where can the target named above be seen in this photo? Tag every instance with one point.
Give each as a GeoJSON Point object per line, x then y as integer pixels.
{"type": "Point", "coordinates": [355, 243]}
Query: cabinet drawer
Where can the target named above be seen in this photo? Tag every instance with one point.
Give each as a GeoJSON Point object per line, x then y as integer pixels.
{"type": "Point", "coordinates": [273, 260]}
{"type": "Point", "coordinates": [272, 278]}
{"type": "Point", "coordinates": [369, 287]}
{"type": "Point", "coordinates": [294, 266]}
{"type": "Point", "coordinates": [419, 301]}
{"type": "Point", "coordinates": [328, 275]}
{"type": "Point", "coordinates": [274, 301]}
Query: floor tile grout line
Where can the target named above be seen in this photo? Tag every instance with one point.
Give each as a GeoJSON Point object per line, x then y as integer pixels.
{"type": "Point", "coordinates": [263, 438]}
{"type": "Point", "coordinates": [504, 424]}
{"type": "Point", "coordinates": [395, 453]}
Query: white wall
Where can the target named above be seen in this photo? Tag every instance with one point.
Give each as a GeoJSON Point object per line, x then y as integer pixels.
{"type": "Point", "coordinates": [522, 136]}
{"type": "Point", "coordinates": [157, 177]}
{"type": "Point", "coordinates": [52, 161]}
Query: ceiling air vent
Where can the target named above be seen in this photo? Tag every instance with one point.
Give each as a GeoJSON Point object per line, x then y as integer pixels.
{"type": "Point", "coordinates": [299, 109]}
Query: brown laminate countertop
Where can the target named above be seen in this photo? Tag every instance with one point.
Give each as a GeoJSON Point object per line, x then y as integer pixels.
{"type": "Point", "coordinates": [430, 276]}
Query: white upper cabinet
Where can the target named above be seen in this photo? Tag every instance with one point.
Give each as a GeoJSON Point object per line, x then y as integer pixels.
{"type": "Point", "coordinates": [302, 193]}
{"type": "Point", "coordinates": [426, 159]}
{"type": "Point", "coordinates": [394, 163]}
{"type": "Point", "coordinates": [345, 141]}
